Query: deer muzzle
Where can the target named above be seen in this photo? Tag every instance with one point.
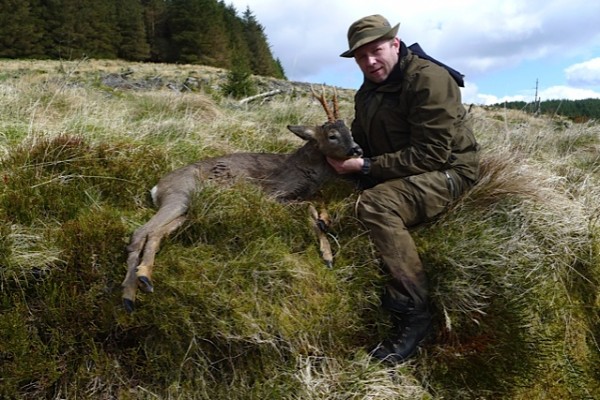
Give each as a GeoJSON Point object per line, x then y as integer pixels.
{"type": "Point", "coordinates": [356, 151]}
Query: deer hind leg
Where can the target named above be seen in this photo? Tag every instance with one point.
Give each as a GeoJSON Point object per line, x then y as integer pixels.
{"type": "Point", "coordinates": [320, 222]}
{"type": "Point", "coordinates": [142, 250]}
{"type": "Point", "coordinates": [144, 268]}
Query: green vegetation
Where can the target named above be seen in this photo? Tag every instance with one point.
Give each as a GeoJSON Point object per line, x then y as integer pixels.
{"type": "Point", "coordinates": [206, 32]}
{"type": "Point", "coordinates": [243, 306]}
{"type": "Point", "coordinates": [239, 83]}
{"type": "Point", "coordinates": [576, 110]}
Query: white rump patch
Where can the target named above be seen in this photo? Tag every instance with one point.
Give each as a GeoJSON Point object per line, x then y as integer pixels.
{"type": "Point", "coordinates": [153, 194]}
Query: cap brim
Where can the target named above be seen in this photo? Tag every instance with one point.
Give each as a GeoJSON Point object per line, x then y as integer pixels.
{"type": "Point", "coordinates": [387, 35]}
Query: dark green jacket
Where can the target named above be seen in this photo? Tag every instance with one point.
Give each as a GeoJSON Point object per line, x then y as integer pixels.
{"type": "Point", "coordinates": [414, 122]}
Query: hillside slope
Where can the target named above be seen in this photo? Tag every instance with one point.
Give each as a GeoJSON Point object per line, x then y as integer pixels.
{"type": "Point", "coordinates": [243, 306]}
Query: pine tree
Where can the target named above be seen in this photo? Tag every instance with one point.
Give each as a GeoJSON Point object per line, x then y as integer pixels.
{"type": "Point", "coordinates": [20, 29]}
{"type": "Point", "coordinates": [134, 45]}
{"type": "Point", "coordinates": [239, 81]}
{"type": "Point", "coordinates": [205, 32]}
{"type": "Point", "coordinates": [155, 21]}
{"type": "Point", "coordinates": [61, 21]}
{"type": "Point", "coordinates": [262, 58]}
{"type": "Point", "coordinates": [99, 27]}
{"type": "Point", "coordinates": [82, 28]}
{"type": "Point", "coordinates": [280, 71]}
{"type": "Point", "coordinates": [238, 45]}
{"type": "Point", "coordinates": [198, 32]}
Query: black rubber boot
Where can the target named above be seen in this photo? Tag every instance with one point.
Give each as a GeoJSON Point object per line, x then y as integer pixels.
{"type": "Point", "coordinates": [413, 327]}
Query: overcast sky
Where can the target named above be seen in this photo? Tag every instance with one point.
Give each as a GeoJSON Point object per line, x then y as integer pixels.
{"type": "Point", "coordinates": [503, 47]}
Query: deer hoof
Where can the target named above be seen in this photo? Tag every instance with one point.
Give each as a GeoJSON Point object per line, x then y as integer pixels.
{"type": "Point", "coordinates": [145, 284]}
{"type": "Point", "coordinates": [129, 305]}
{"type": "Point", "coordinates": [322, 225]}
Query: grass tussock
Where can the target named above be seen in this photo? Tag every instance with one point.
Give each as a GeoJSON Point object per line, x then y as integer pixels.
{"type": "Point", "coordinates": [244, 307]}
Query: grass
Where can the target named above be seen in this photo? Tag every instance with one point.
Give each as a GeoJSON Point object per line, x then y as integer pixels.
{"type": "Point", "coordinates": [244, 307]}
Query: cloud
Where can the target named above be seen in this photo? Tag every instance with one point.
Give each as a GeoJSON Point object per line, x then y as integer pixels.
{"type": "Point", "coordinates": [498, 35]}
{"type": "Point", "coordinates": [584, 74]}
{"type": "Point", "coordinates": [471, 95]}
{"type": "Point", "coordinates": [478, 38]}
{"type": "Point", "coordinates": [568, 92]}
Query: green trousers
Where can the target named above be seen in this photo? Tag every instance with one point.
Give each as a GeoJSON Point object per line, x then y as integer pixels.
{"type": "Point", "coordinates": [389, 209]}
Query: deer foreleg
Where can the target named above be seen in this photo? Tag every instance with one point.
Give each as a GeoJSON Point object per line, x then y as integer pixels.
{"type": "Point", "coordinates": [320, 222]}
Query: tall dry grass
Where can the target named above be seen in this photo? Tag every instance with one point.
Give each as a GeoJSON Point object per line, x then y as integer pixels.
{"type": "Point", "coordinates": [244, 308]}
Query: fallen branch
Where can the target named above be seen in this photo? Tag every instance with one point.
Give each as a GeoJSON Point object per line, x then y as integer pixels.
{"type": "Point", "coordinates": [258, 96]}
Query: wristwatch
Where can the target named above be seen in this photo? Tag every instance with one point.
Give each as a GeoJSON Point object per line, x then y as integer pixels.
{"type": "Point", "coordinates": [366, 168]}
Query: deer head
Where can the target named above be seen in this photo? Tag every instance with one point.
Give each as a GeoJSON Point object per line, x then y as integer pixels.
{"type": "Point", "coordinates": [333, 138]}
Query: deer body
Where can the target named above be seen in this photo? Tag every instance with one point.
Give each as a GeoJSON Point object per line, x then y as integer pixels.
{"type": "Point", "coordinates": [286, 177]}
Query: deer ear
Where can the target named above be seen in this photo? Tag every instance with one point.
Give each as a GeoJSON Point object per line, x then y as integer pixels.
{"type": "Point", "coordinates": [303, 131]}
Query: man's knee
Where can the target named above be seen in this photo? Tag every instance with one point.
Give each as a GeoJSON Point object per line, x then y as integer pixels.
{"type": "Point", "coordinates": [370, 204]}
{"type": "Point", "coordinates": [386, 201]}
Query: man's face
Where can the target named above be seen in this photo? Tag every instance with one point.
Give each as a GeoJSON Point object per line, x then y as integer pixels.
{"type": "Point", "coordinates": [377, 59]}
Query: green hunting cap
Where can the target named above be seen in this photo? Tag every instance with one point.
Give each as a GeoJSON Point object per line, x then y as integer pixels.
{"type": "Point", "coordinates": [367, 30]}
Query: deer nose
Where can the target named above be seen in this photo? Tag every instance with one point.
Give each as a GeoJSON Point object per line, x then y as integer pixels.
{"type": "Point", "coordinates": [355, 151]}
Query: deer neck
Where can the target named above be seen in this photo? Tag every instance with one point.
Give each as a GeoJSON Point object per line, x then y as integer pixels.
{"type": "Point", "coordinates": [302, 174]}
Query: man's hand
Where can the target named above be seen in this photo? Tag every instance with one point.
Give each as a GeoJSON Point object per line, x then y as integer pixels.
{"type": "Point", "coordinates": [348, 166]}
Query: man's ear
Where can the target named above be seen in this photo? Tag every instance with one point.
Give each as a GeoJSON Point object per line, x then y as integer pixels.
{"type": "Point", "coordinates": [396, 44]}
{"type": "Point", "coordinates": [303, 131]}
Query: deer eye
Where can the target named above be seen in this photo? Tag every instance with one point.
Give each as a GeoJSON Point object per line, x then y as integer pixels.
{"type": "Point", "coordinates": [332, 136]}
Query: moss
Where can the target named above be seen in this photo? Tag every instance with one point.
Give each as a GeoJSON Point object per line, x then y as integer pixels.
{"type": "Point", "coordinates": [29, 365]}
{"type": "Point", "coordinates": [55, 177]}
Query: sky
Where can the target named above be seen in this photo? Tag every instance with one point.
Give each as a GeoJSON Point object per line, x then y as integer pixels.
{"type": "Point", "coordinates": [506, 49]}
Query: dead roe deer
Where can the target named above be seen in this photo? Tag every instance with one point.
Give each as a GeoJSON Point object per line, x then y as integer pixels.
{"type": "Point", "coordinates": [286, 177]}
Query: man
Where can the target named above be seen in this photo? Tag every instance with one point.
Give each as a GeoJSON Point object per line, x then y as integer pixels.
{"type": "Point", "coordinates": [419, 155]}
